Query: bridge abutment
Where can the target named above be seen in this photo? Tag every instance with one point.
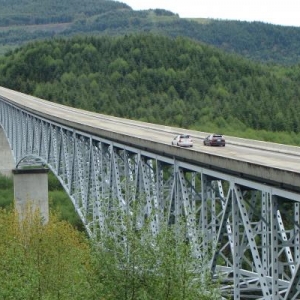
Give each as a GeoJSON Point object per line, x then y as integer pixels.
{"type": "Point", "coordinates": [31, 192]}
{"type": "Point", "coordinates": [6, 157]}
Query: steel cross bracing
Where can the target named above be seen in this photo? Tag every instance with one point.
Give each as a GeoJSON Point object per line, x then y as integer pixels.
{"type": "Point", "coordinates": [249, 230]}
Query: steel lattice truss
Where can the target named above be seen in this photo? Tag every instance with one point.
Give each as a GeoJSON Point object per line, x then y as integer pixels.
{"type": "Point", "coordinates": [251, 229]}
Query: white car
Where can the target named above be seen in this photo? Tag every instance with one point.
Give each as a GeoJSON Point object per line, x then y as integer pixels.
{"type": "Point", "coordinates": [182, 140]}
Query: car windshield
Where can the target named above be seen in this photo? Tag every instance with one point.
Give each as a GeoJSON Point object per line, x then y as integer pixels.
{"type": "Point", "coordinates": [184, 136]}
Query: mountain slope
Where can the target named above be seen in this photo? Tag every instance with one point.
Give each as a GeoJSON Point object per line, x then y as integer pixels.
{"type": "Point", "coordinates": [24, 21]}
{"type": "Point", "coordinates": [158, 79]}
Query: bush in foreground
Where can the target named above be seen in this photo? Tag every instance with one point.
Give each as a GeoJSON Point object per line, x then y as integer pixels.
{"type": "Point", "coordinates": [55, 261]}
{"type": "Point", "coordinates": [147, 266]}
{"type": "Point", "coordinates": [39, 261]}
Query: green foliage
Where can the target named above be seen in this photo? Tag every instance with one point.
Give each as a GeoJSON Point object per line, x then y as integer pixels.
{"type": "Point", "coordinates": [42, 261]}
{"type": "Point", "coordinates": [6, 196]}
{"type": "Point", "coordinates": [55, 261]}
{"type": "Point", "coordinates": [6, 191]}
{"type": "Point", "coordinates": [61, 204]}
{"type": "Point", "coordinates": [25, 21]}
{"type": "Point", "coordinates": [157, 79]}
{"type": "Point", "coordinates": [148, 266]}
{"type": "Point", "coordinates": [53, 183]}
{"type": "Point", "coordinates": [53, 11]}
{"type": "Point", "coordinates": [6, 182]}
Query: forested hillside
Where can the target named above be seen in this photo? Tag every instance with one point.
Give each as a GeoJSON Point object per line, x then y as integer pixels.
{"type": "Point", "coordinates": [31, 12]}
{"type": "Point", "coordinates": [158, 79]}
{"type": "Point", "coordinates": [24, 21]}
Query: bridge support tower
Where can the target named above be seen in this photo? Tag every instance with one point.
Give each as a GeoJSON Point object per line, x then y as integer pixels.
{"type": "Point", "coordinates": [31, 191]}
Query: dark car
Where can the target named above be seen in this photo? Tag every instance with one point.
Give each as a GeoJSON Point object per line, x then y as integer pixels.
{"type": "Point", "coordinates": [214, 140]}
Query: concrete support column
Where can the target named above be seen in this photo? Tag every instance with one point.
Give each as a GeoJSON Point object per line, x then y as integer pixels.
{"type": "Point", "coordinates": [31, 191]}
{"type": "Point", "coordinates": [6, 158]}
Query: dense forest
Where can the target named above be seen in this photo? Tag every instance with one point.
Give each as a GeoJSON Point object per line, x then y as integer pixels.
{"type": "Point", "coordinates": [154, 66]}
{"type": "Point", "coordinates": [153, 78]}
{"type": "Point", "coordinates": [30, 12]}
{"type": "Point", "coordinates": [24, 21]}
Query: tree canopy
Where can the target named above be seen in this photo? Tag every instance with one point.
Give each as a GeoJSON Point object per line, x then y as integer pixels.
{"type": "Point", "coordinates": [24, 21]}
{"type": "Point", "coordinates": [153, 78]}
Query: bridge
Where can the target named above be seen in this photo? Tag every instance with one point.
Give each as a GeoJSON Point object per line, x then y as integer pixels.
{"type": "Point", "coordinates": [241, 202]}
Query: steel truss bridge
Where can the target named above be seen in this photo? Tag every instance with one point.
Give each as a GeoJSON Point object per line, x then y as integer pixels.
{"type": "Point", "coordinates": [251, 227]}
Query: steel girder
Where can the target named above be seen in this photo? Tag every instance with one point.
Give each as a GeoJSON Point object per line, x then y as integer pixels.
{"type": "Point", "coordinates": [249, 231]}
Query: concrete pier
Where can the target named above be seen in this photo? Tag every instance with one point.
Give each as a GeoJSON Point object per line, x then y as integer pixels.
{"type": "Point", "coordinates": [31, 191]}
{"type": "Point", "coordinates": [6, 158]}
